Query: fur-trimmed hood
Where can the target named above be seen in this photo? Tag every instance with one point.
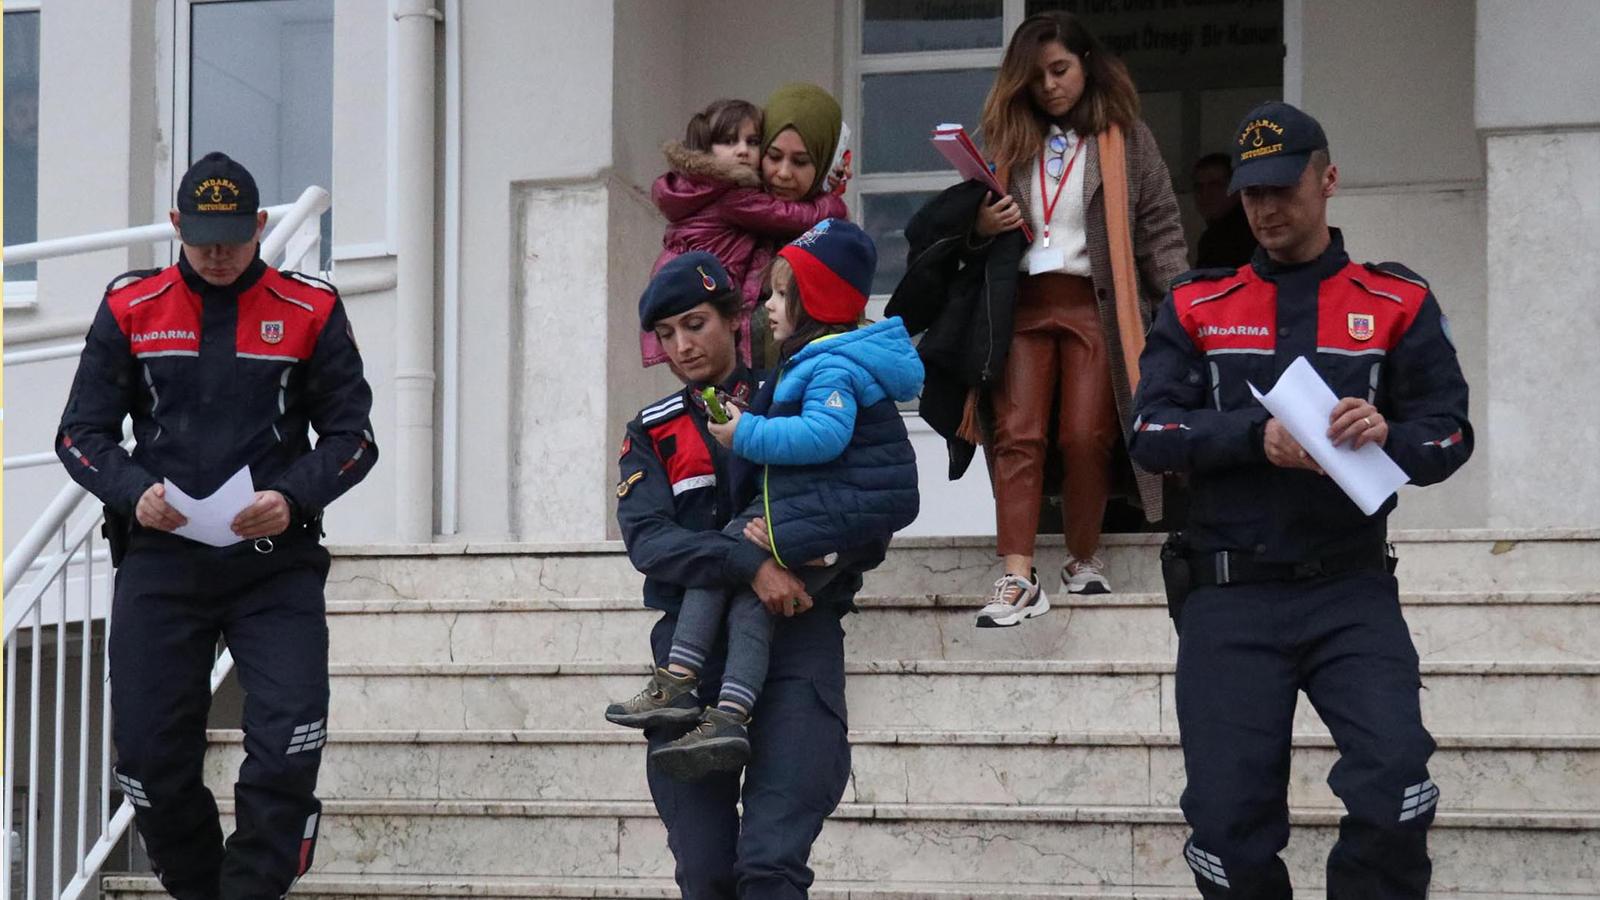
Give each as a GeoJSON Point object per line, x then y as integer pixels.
{"type": "Point", "coordinates": [700, 163]}
{"type": "Point", "coordinates": [695, 180]}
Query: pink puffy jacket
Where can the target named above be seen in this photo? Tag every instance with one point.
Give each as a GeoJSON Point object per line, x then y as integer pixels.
{"type": "Point", "coordinates": [720, 208]}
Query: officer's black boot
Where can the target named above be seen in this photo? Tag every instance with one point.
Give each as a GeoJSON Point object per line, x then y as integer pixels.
{"type": "Point", "coordinates": [1379, 863]}
{"type": "Point", "coordinates": [185, 849]}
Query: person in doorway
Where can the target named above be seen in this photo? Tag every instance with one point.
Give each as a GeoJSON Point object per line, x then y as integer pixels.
{"type": "Point", "coordinates": [675, 496]}
{"type": "Point", "coordinates": [1289, 585]}
{"type": "Point", "coordinates": [1226, 241]}
{"type": "Point", "coordinates": [1031, 301]}
{"type": "Point", "coordinates": [713, 200]}
{"type": "Point", "coordinates": [224, 364]}
{"type": "Point", "coordinates": [839, 479]}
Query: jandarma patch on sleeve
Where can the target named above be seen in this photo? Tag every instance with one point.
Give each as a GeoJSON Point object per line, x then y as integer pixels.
{"type": "Point", "coordinates": [627, 484]}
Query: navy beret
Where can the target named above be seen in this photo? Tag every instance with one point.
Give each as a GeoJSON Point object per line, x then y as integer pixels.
{"type": "Point", "coordinates": [681, 285]}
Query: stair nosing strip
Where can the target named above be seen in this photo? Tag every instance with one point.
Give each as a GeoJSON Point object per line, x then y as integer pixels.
{"type": "Point", "coordinates": [910, 738]}
{"type": "Point", "coordinates": [930, 667]}
{"type": "Point", "coordinates": [1130, 600]}
{"type": "Point", "coordinates": [1529, 820]}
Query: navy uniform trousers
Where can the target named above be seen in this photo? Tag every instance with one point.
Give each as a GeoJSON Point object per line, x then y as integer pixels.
{"type": "Point", "coordinates": [171, 603]}
{"type": "Point", "coordinates": [799, 768]}
{"type": "Point", "coordinates": [1244, 652]}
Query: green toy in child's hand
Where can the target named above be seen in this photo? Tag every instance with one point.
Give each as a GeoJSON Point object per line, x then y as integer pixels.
{"type": "Point", "coordinates": [714, 408]}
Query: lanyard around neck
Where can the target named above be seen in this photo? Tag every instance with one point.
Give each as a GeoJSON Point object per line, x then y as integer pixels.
{"type": "Point", "coordinates": [1051, 201]}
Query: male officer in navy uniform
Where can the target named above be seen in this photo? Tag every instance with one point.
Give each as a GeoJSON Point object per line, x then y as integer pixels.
{"type": "Point", "coordinates": [674, 497]}
{"type": "Point", "coordinates": [223, 363]}
{"type": "Point", "coordinates": [1291, 587]}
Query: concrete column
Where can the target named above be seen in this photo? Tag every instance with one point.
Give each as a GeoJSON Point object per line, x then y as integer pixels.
{"type": "Point", "coordinates": [1540, 124]}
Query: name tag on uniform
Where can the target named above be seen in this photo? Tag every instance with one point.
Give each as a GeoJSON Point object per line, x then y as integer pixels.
{"type": "Point", "coordinates": [1046, 259]}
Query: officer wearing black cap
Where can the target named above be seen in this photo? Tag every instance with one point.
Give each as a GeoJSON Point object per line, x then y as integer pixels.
{"type": "Point", "coordinates": [1289, 586]}
{"type": "Point", "coordinates": [223, 363]}
{"type": "Point", "coordinates": [675, 495]}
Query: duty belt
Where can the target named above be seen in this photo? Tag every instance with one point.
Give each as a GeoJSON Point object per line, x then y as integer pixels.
{"type": "Point", "coordinates": [1236, 567]}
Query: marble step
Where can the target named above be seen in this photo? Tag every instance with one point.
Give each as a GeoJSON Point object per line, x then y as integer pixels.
{"type": "Point", "coordinates": [879, 843]}
{"type": "Point", "coordinates": [1548, 774]}
{"type": "Point", "coordinates": [1504, 627]}
{"type": "Point", "coordinates": [458, 887]}
{"type": "Point", "coordinates": [1459, 698]}
{"type": "Point", "coordinates": [1453, 561]}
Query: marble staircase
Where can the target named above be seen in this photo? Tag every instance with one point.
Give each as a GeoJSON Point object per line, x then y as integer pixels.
{"type": "Point", "coordinates": [468, 756]}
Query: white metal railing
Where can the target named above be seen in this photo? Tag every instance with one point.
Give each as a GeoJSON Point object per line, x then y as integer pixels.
{"type": "Point", "coordinates": [58, 587]}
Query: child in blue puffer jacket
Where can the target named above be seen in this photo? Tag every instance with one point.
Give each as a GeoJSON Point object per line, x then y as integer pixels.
{"type": "Point", "coordinates": [837, 478]}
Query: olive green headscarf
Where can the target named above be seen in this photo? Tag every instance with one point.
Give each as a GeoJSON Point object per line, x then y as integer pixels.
{"type": "Point", "coordinates": [813, 114]}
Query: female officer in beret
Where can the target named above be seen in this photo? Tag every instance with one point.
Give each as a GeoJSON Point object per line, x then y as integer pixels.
{"type": "Point", "coordinates": [674, 497]}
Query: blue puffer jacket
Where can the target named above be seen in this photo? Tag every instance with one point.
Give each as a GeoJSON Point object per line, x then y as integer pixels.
{"type": "Point", "coordinates": [840, 473]}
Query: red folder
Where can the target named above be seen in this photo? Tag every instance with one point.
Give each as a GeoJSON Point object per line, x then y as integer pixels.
{"type": "Point", "coordinates": [956, 146]}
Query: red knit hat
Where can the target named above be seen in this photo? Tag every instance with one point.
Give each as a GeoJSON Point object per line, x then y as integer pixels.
{"type": "Point", "coordinates": [833, 266]}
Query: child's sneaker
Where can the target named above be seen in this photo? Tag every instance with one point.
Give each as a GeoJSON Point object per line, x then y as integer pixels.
{"type": "Point", "coordinates": [1085, 576]}
{"type": "Point", "coordinates": [720, 743]}
{"type": "Point", "coordinates": [667, 700]}
{"type": "Point", "coordinates": [1015, 598]}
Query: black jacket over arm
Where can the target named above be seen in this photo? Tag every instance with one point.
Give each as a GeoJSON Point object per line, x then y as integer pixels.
{"type": "Point", "coordinates": [961, 298]}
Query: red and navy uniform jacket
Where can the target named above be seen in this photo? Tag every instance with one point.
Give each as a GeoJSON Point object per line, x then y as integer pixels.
{"type": "Point", "coordinates": [217, 378]}
{"type": "Point", "coordinates": [675, 496]}
{"type": "Point", "coordinates": [1373, 331]}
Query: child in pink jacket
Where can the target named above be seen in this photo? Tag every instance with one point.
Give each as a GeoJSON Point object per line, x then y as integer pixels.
{"type": "Point", "coordinates": [713, 199]}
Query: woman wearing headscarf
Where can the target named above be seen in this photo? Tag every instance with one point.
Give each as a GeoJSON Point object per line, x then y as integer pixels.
{"type": "Point", "coordinates": [801, 124]}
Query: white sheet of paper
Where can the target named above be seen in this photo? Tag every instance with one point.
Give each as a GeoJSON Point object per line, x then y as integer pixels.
{"type": "Point", "coordinates": [211, 519]}
{"type": "Point", "coordinates": [1302, 402]}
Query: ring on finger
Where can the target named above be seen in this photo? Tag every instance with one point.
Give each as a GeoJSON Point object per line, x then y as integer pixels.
{"type": "Point", "coordinates": [1367, 420]}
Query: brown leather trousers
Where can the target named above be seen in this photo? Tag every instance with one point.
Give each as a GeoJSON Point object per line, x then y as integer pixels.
{"type": "Point", "coordinates": [1058, 365]}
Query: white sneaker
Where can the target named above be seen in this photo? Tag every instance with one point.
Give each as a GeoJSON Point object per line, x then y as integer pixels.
{"type": "Point", "coordinates": [1085, 576]}
{"type": "Point", "coordinates": [1014, 599]}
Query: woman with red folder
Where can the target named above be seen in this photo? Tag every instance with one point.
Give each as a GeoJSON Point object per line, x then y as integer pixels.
{"type": "Point", "coordinates": [1091, 236]}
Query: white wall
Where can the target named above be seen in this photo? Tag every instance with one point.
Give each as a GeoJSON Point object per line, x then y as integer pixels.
{"type": "Point", "coordinates": [1537, 66]}
{"type": "Point", "coordinates": [652, 56]}
{"type": "Point", "coordinates": [1540, 116]}
{"type": "Point", "coordinates": [1391, 81]}
{"type": "Point", "coordinates": [536, 110]}
{"type": "Point", "coordinates": [749, 49]}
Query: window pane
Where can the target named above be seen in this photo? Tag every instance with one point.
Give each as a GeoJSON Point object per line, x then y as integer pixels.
{"type": "Point", "coordinates": [21, 136]}
{"type": "Point", "coordinates": [900, 111]}
{"type": "Point", "coordinates": [266, 101]}
{"type": "Point", "coordinates": [884, 217]}
{"type": "Point", "coordinates": [907, 26]}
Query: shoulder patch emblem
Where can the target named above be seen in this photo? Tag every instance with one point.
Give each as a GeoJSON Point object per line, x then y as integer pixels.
{"type": "Point", "coordinates": [627, 445]}
{"type": "Point", "coordinates": [1360, 325]}
{"type": "Point", "coordinates": [835, 401]}
{"type": "Point", "coordinates": [627, 484]}
{"type": "Point", "coordinates": [272, 332]}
